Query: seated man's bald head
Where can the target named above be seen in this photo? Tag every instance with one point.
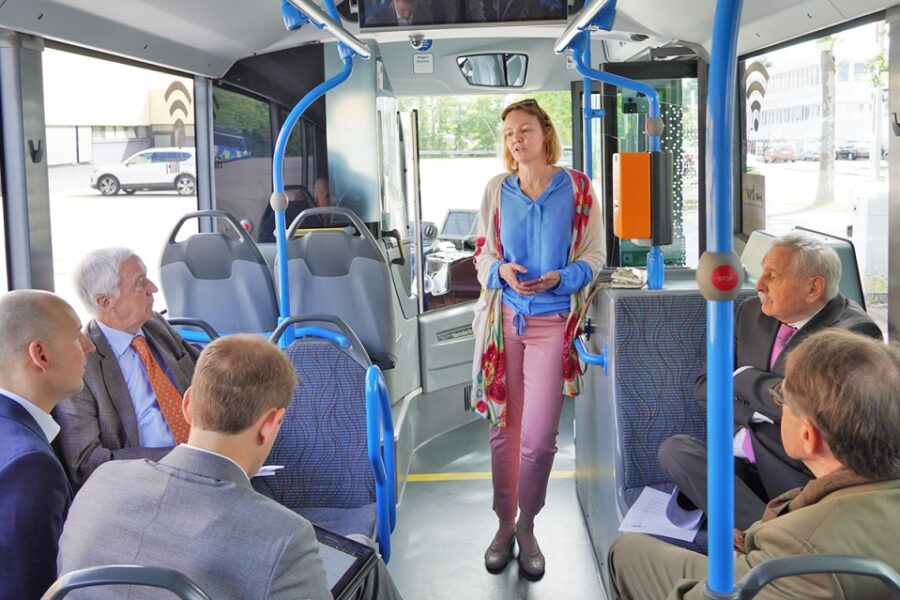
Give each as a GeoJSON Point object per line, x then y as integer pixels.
{"type": "Point", "coordinates": [27, 315]}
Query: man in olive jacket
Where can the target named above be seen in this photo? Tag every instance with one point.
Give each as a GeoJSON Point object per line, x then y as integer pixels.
{"type": "Point", "coordinates": [840, 403]}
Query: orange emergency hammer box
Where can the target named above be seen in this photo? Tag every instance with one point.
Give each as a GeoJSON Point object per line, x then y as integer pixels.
{"type": "Point", "coordinates": [631, 195]}
{"type": "Point", "coordinates": [642, 196]}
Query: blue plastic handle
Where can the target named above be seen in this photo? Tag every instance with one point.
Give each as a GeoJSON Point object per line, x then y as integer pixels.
{"type": "Point", "coordinates": [380, 429]}
{"type": "Point", "coordinates": [589, 358]}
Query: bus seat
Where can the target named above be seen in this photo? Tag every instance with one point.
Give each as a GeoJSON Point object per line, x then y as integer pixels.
{"type": "Point", "coordinates": [218, 279]}
{"type": "Point", "coordinates": [322, 444]}
{"type": "Point", "coordinates": [158, 577]}
{"type": "Point", "coordinates": [850, 286]}
{"type": "Point", "coordinates": [786, 566]}
{"type": "Point", "coordinates": [333, 271]}
{"type": "Point", "coordinates": [657, 347]}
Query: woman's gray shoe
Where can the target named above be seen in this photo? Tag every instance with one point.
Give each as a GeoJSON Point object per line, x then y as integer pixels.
{"type": "Point", "coordinates": [532, 565]}
{"type": "Point", "coordinates": [497, 557]}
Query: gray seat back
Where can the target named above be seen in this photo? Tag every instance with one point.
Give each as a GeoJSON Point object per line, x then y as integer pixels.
{"type": "Point", "coordinates": [220, 280]}
{"type": "Point", "coordinates": [337, 272]}
{"type": "Point", "coordinates": [158, 577]}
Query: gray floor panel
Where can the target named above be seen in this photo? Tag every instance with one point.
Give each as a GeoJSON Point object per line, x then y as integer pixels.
{"type": "Point", "coordinates": [443, 528]}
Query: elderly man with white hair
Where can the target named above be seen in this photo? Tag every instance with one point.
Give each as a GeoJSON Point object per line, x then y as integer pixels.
{"type": "Point", "coordinates": [797, 295]}
{"type": "Point", "coordinates": [130, 406]}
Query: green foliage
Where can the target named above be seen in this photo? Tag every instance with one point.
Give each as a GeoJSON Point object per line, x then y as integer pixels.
{"type": "Point", "coordinates": [472, 123]}
{"type": "Point", "coordinates": [244, 116]}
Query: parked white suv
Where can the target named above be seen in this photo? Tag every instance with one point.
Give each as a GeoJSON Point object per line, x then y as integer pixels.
{"type": "Point", "coordinates": [150, 169]}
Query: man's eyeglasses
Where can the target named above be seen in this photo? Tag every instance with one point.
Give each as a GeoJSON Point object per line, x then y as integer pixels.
{"type": "Point", "coordinates": [777, 393]}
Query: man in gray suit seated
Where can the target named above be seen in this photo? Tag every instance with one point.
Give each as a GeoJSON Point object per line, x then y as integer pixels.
{"type": "Point", "coordinates": [130, 406]}
{"type": "Point", "coordinates": [840, 404]}
{"type": "Point", "coordinates": [195, 510]}
{"type": "Point", "coordinates": [797, 296]}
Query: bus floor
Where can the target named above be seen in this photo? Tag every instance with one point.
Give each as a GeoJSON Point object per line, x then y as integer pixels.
{"type": "Point", "coordinates": [445, 522]}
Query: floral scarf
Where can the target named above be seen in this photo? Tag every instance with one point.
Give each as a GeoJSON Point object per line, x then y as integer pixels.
{"type": "Point", "coordinates": [489, 367]}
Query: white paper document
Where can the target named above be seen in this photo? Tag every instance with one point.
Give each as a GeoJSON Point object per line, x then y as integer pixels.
{"type": "Point", "coordinates": [268, 470]}
{"type": "Point", "coordinates": [648, 515]}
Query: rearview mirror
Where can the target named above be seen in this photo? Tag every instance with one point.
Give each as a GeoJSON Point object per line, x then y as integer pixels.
{"type": "Point", "coordinates": [494, 70]}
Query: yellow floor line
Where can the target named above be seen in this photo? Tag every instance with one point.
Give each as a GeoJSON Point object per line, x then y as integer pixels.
{"type": "Point", "coordinates": [476, 476]}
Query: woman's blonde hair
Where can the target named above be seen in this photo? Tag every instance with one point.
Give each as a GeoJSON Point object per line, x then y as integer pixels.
{"type": "Point", "coordinates": [552, 145]}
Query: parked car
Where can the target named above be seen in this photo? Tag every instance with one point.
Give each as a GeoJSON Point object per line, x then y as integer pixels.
{"type": "Point", "coordinates": [851, 150]}
{"type": "Point", "coordinates": [779, 153]}
{"type": "Point", "coordinates": [810, 151]}
{"type": "Point", "coordinates": [151, 169]}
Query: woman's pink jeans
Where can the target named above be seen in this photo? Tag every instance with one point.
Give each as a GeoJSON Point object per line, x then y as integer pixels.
{"type": "Point", "coordinates": [522, 452]}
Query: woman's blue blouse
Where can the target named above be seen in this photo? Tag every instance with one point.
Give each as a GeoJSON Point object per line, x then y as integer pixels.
{"type": "Point", "coordinates": [537, 234]}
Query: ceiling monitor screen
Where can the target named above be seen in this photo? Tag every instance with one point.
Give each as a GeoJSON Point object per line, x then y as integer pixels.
{"type": "Point", "coordinates": [418, 13]}
{"type": "Point", "coordinates": [459, 225]}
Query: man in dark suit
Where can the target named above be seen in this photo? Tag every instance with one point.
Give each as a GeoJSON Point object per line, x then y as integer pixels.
{"type": "Point", "coordinates": [42, 358]}
{"type": "Point", "coordinates": [195, 510]}
{"type": "Point", "coordinates": [133, 384]}
{"type": "Point", "coordinates": [797, 296]}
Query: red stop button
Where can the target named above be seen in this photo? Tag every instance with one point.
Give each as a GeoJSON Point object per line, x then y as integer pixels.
{"type": "Point", "coordinates": [724, 278]}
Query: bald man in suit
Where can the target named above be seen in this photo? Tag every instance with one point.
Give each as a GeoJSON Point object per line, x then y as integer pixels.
{"type": "Point", "coordinates": [42, 359]}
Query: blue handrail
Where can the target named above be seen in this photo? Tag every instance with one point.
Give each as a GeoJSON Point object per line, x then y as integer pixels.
{"type": "Point", "coordinates": [720, 313]}
{"type": "Point", "coordinates": [380, 429]}
{"type": "Point", "coordinates": [580, 54]}
{"type": "Point", "coordinates": [589, 358]}
{"type": "Point", "coordinates": [346, 54]}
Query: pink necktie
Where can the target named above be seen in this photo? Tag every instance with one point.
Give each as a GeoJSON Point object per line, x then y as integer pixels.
{"type": "Point", "coordinates": [785, 332]}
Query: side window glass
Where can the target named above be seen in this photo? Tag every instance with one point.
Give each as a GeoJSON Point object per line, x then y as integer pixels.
{"type": "Point", "coordinates": [242, 136]}
{"type": "Point", "coordinates": [98, 139]}
{"type": "Point", "coordinates": [816, 141]}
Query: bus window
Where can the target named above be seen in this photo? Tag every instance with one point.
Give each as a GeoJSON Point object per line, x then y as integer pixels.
{"type": "Point", "coordinates": [816, 139]}
{"type": "Point", "coordinates": [103, 190]}
{"type": "Point", "coordinates": [458, 154]}
{"type": "Point", "coordinates": [243, 186]}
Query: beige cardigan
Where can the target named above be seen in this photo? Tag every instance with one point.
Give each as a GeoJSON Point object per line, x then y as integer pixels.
{"type": "Point", "coordinates": [590, 247]}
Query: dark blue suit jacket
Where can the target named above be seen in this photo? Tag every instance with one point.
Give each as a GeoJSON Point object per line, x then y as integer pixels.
{"type": "Point", "coordinates": [34, 500]}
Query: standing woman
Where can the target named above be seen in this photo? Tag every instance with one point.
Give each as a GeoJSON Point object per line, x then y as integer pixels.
{"type": "Point", "coordinates": [540, 245]}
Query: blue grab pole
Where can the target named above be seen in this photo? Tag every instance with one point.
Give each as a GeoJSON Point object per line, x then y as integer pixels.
{"type": "Point", "coordinates": [587, 113]}
{"type": "Point", "coordinates": [581, 54]}
{"type": "Point", "coordinates": [284, 303]}
{"type": "Point", "coordinates": [380, 429]}
{"type": "Point", "coordinates": [578, 46]}
{"type": "Point", "coordinates": [720, 314]}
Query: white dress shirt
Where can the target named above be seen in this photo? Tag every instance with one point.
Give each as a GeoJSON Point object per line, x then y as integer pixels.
{"type": "Point", "coordinates": [44, 420]}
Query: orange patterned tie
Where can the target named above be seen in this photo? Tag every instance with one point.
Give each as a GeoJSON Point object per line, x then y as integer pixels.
{"type": "Point", "coordinates": [167, 394]}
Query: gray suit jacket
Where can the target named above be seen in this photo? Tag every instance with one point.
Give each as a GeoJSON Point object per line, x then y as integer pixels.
{"type": "Point", "coordinates": [194, 512]}
{"type": "Point", "coordinates": [753, 341]}
{"type": "Point", "coordinates": [99, 424]}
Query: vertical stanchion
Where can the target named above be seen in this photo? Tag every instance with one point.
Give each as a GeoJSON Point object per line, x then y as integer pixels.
{"type": "Point", "coordinates": [718, 277]}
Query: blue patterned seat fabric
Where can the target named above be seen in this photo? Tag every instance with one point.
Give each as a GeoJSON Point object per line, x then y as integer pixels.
{"type": "Point", "coordinates": [322, 442]}
{"type": "Point", "coordinates": [660, 349]}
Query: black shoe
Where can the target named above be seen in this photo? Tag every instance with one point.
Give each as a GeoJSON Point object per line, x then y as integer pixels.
{"type": "Point", "coordinates": [532, 565]}
{"type": "Point", "coordinates": [497, 557]}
